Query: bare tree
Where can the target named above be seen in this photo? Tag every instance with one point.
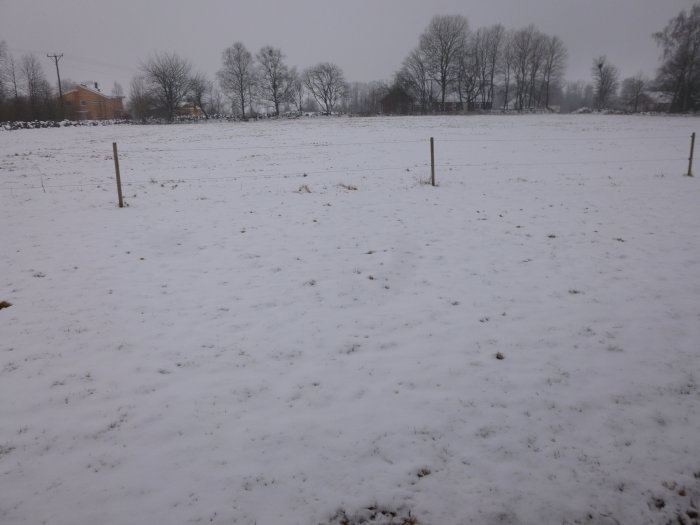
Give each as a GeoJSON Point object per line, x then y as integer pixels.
{"type": "Point", "coordinates": [554, 64]}
{"type": "Point", "coordinates": [468, 83]}
{"type": "Point", "coordinates": [326, 82]}
{"type": "Point", "coordinates": [507, 66]}
{"type": "Point", "coordinates": [254, 93]}
{"type": "Point", "coordinates": [577, 95]}
{"type": "Point", "coordinates": [535, 67]}
{"type": "Point", "coordinates": [68, 84]}
{"type": "Point", "coordinates": [633, 89]}
{"type": "Point", "coordinates": [298, 91]}
{"type": "Point", "coordinates": [13, 105]}
{"type": "Point", "coordinates": [482, 54]}
{"type": "Point", "coordinates": [365, 97]}
{"type": "Point", "coordinates": [237, 75]}
{"type": "Point", "coordinates": [199, 88]}
{"type": "Point", "coordinates": [168, 78]}
{"type": "Point", "coordinates": [275, 81]}
{"type": "Point", "coordinates": [10, 85]}
{"type": "Point", "coordinates": [530, 62]}
{"type": "Point", "coordinates": [117, 89]}
{"type": "Point", "coordinates": [413, 77]}
{"type": "Point", "coordinates": [139, 98]}
{"type": "Point", "coordinates": [680, 72]}
{"type": "Point", "coordinates": [4, 59]}
{"type": "Point", "coordinates": [495, 41]}
{"type": "Point", "coordinates": [441, 44]}
{"type": "Point", "coordinates": [36, 86]}
{"type": "Point", "coordinates": [10, 75]}
{"type": "Point", "coordinates": [475, 56]}
{"type": "Point", "coordinates": [216, 100]}
{"type": "Point", "coordinates": [605, 79]}
{"type": "Point", "coordinates": [524, 44]}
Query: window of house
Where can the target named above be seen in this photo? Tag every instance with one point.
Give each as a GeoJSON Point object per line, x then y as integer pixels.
{"type": "Point", "coordinates": [83, 103]}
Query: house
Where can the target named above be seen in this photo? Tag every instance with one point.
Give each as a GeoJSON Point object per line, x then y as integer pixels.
{"type": "Point", "coordinates": [188, 110]}
{"type": "Point", "coordinates": [656, 101]}
{"type": "Point", "coordinates": [452, 104]}
{"type": "Point", "coordinates": [89, 103]}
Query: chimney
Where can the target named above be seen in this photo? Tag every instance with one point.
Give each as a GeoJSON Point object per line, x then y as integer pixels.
{"type": "Point", "coordinates": [97, 87]}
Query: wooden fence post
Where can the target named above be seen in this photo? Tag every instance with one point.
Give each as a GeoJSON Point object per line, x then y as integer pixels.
{"type": "Point", "coordinates": [690, 159]}
{"type": "Point", "coordinates": [432, 162]}
{"type": "Point", "coordinates": [116, 169]}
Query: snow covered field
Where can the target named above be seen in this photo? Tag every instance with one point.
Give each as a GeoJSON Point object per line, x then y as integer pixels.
{"type": "Point", "coordinates": [286, 325]}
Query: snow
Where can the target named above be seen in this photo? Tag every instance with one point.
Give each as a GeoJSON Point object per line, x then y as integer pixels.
{"type": "Point", "coordinates": [230, 348]}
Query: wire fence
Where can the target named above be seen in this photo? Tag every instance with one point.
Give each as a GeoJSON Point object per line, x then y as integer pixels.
{"type": "Point", "coordinates": [130, 156]}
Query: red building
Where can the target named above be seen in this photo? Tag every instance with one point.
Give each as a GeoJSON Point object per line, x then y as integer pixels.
{"type": "Point", "coordinates": [87, 103]}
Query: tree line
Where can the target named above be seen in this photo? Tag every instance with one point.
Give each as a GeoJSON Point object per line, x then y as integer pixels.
{"type": "Point", "coordinates": [452, 65]}
{"type": "Point", "coordinates": [245, 83]}
{"type": "Point", "coordinates": [25, 93]}
{"type": "Point", "coordinates": [452, 68]}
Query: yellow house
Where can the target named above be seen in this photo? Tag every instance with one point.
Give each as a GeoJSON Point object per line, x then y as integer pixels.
{"type": "Point", "coordinates": [87, 103]}
{"type": "Point", "coordinates": [188, 110]}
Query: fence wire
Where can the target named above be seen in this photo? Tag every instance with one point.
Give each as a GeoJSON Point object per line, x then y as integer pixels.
{"type": "Point", "coordinates": [128, 154]}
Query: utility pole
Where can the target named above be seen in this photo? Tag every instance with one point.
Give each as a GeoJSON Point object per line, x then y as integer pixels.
{"type": "Point", "coordinates": [600, 83]}
{"type": "Point", "coordinates": [56, 58]}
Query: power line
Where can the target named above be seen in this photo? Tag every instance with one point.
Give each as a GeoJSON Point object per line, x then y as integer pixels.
{"type": "Point", "coordinates": [99, 63]}
{"type": "Point", "coordinates": [77, 58]}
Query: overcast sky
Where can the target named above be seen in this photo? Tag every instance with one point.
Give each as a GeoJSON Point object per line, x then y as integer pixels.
{"type": "Point", "coordinates": [106, 41]}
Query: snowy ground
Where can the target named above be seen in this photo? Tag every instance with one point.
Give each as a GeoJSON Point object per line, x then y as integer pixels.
{"type": "Point", "coordinates": [232, 348]}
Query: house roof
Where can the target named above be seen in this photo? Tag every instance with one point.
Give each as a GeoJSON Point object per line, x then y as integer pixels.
{"type": "Point", "coordinates": [91, 90]}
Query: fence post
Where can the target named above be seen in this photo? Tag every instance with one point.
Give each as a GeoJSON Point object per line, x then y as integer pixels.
{"type": "Point", "coordinates": [432, 162]}
{"type": "Point", "coordinates": [116, 169]}
{"type": "Point", "coordinates": [690, 159]}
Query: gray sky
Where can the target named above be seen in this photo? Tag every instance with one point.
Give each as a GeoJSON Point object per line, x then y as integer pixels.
{"type": "Point", "coordinates": [107, 40]}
